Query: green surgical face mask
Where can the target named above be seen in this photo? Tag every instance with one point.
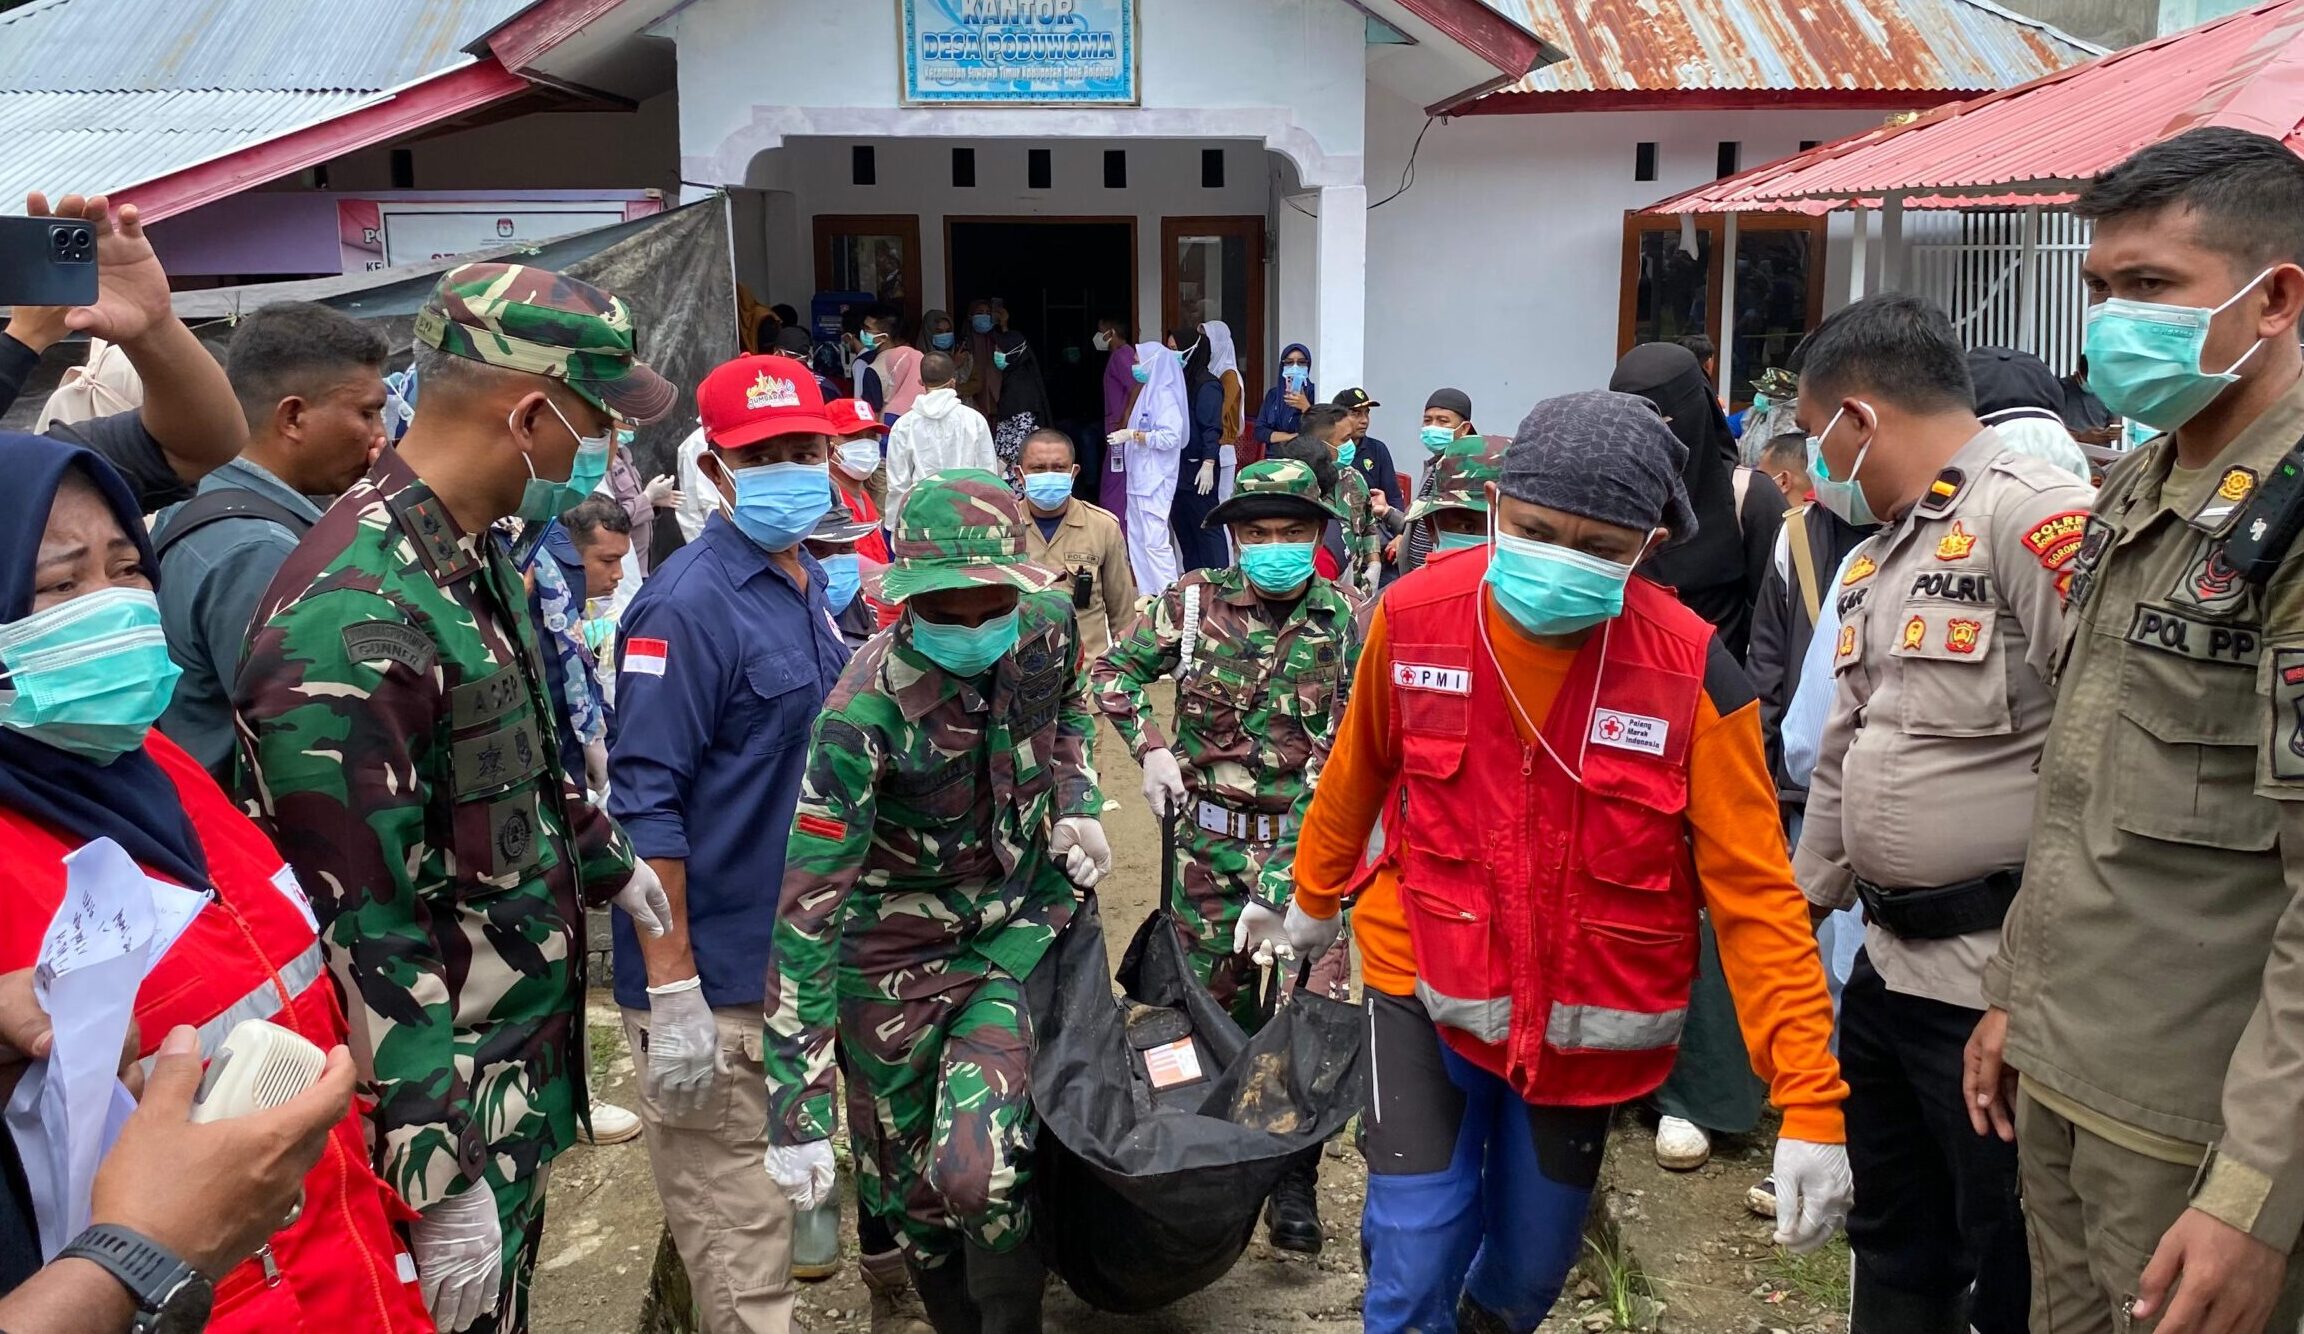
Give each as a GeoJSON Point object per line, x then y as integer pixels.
{"type": "Point", "coordinates": [541, 499]}
{"type": "Point", "coordinates": [965, 650]}
{"type": "Point", "coordinates": [1447, 541]}
{"type": "Point", "coordinates": [1277, 567]}
{"type": "Point", "coordinates": [89, 676]}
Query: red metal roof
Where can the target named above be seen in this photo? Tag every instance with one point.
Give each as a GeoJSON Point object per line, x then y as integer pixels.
{"type": "Point", "coordinates": [2038, 142]}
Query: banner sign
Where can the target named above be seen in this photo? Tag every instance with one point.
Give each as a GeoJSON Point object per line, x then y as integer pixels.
{"type": "Point", "coordinates": [1019, 52]}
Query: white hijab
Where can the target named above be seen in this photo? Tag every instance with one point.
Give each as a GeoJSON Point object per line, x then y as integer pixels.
{"type": "Point", "coordinates": [1222, 358]}
{"type": "Point", "coordinates": [1163, 404]}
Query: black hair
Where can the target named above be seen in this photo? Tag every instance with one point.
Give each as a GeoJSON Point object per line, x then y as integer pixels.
{"type": "Point", "coordinates": [1320, 419]}
{"type": "Point", "coordinates": [1895, 346]}
{"type": "Point", "coordinates": [1786, 449]}
{"type": "Point", "coordinates": [784, 313]}
{"type": "Point", "coordinates": [1053, 436]}
{"type": "Point", "coordinates": [297, 349]}
{"type": "Point", "coordinates": [1117, 319]}
{"type": "Point", "coordinates": [2246, 189]}
{"type": "Point", "coordinates": [1703, 348]}
{"type": "Point", "coordinates": [938, 368]}
{"type": "Point", "coordinates": [593, 516]}
{"type": "Point", "coordinates": [1312, 453]}
{"type": "Point", "coordinates": [890, 317]}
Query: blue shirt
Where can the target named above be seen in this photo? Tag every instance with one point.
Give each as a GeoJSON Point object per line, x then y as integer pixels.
{"type": "Point", "coordinates": [558, 547]}
{"type": "Point", "coordinates": [208, 587]}
{"type": "Point", "coordinates": [722, 669]}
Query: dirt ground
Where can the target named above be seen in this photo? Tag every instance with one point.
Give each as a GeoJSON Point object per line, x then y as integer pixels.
{"type": "Point", "coordinates": [1669, 1251]}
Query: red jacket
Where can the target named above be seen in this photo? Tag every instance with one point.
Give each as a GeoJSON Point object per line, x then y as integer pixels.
{"type": "Point", "coordinates": [1554, 921]}
{"type": "Point", "coordinates": [250, 954]}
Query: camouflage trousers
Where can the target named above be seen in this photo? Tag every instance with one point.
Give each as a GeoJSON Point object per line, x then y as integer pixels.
{"type": "Point", "coordinates": [1215, 877]}
{"type": "Point", "coordinates": [944, 1151]}
{"type": "Point", "coordinates": [518, 1182]}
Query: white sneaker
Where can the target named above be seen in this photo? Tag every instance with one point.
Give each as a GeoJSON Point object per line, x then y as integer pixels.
{"type": "Point", "coordinates": [613, 1125]}
{"type": "Point", "coordinates": [1681, 1146]}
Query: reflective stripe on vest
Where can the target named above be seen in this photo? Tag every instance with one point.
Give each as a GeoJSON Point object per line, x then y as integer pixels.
{"type": "Point", "coordinates": [1596, 1028]}
{"type": "Point", "coordinates": [1488, 1018]}
{"type": "Point", "coordinates": [260, 1003]}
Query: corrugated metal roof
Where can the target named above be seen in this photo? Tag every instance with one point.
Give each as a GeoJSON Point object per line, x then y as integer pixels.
{"type": "Point", "coordinates": [1788, 45]}
{"type": "Point", "coordinates": [103, 94]}
{"type": "Point", "coordinates": [2036, 143]}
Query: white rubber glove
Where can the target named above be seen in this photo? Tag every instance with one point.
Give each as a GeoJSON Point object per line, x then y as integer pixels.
{"type": "Point", "coordinates": [662, 491]}
{"type": "Point", "coordinates": [1079, 846]}
{"type": "Point", "coordinates": [683, 1056]}
{"type": "Point", "coordinates": [1206, 481]}
{"type": "Point", "coordinates": [1261, 933]}
{"type": "Point", "coordinates": [459, 1246]}
{"type": "Point", "coordinates": [1163, 782]}
{"type": "Point", "coordinates": [1312, 936]}
{"type": "Point", "coordinates": [596, 780]}
{"type": "Point", "coordinates": [803, 1171]}
{"type": "Point", "coordinates": [643, 897]}
{"type": "Point", "coordinates": [1813, 1189]}
{"type": "Point", "coordinates": [1119, 437]}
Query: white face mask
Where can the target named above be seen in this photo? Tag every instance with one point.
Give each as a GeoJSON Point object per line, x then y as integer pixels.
{"type": "Point", "coordinates": [1103, 342]}
{"type": "Point", "coordinates": [860, 458]}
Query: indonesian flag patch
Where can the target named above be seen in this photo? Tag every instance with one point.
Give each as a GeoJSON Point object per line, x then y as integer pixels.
{"type": "Point", "coordinates": [823, 827]}
{"type": "Point", "coordinates": [646, 656]}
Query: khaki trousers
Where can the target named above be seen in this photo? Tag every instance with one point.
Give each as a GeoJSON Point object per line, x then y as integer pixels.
{"type": "Point", "coordinates": [2093, 1214]}
{"type": "Point", "coordinates": [728, 1217]}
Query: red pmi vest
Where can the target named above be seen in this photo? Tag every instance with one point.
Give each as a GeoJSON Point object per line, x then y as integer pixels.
{"type": "Point", "coordinates": [1554, 922]}
{"type": "Point", "coordinates": [249, 954]}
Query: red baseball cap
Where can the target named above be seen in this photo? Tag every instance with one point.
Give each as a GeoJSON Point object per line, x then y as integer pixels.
{"type": "Point", "coordinates": [853, 416]}
{"type": "Point", "coordinates": [757, 398]}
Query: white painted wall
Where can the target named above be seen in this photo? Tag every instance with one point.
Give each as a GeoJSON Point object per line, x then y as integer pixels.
{"type": "Point", "coordinates": [1500, 270]}
{"type": "Point", "coordinates": [1288, 73]}
{"type": "Point", "coordinates": [546, 150]}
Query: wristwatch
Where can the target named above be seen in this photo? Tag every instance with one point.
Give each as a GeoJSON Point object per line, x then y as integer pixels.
{"type": "Point", "coordinates": [171, 1296]}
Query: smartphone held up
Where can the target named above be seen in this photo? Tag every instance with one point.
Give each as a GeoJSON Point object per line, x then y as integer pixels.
{"type": "Point", "coordinates": [47, 261]}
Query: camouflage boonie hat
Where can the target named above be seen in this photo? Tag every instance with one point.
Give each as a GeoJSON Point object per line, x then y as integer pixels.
{"type": "Point", "coordinates": [959, 528]}
{"type": "Point", "coordinates": [1273, 489]}
{"type": "Point", "coordinates": [1460, 476]}
{"type": "Point", "coordinates": [545, 323]}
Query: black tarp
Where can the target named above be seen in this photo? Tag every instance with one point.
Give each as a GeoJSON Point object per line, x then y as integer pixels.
{"type": "Point", "coordinates": [1147, 1195]}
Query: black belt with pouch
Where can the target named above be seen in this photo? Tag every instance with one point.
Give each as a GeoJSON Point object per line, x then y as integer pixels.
{"type": "Point", "coordinates": [1945, 911]}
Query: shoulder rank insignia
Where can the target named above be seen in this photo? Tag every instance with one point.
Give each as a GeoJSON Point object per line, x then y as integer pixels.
{"type": "Point", "coordinates": [2232, 491]}
{"type": "Point", "coordinates": [1956, 544]}
{"type": "Point", "coordinates": [1943, 491]}
{"type": "Point", "coordinates": [426, 520]}
{"type": "Point", "coordinates": [1859, 570]}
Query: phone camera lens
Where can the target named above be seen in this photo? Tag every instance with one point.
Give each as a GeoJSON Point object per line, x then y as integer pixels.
{"type": "Point", "coordinates": [80, 238]}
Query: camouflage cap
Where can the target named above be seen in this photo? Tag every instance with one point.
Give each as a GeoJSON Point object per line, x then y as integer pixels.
{"type": "Point", "coordinates": [959, 528]}
{"type": "Point", "coordinates": [545, 323]}
{"type": "Point", "coordinates": [1460, 476]}
{"type": "Point", "coordinates": [1273, 489]}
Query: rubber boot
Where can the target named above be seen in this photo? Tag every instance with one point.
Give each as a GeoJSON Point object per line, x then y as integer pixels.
{"type": "Point", "coordinates": [1007, 1287]}
{"type": "Point", "coordinates": [896, 1307]}
{"type": "Point", "coordinates": [1292, 1216]}
{"type": "Point", "coordinates": [1875, 1307]}
{"type": "Point", "coordinates": [816, 1242]}
{"type": "Point", "coordinates": [1473, 1318]}
{"type": "Point", "coordinates": [944, 1295]}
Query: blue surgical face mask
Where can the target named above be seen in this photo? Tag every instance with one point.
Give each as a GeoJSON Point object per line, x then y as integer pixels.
{"type": "Point", "coordinates": [965, 650]}
{"type": "Point", "coordinates": [1437, 438]}
{"type": "Point", "coordinates": [777, 504]}
{"type": "Point", "coordinates": [1295, 376]}
{"type": "Point", "coordinates": [89, 676]}
{"type": "Point", "coordinates": [980, 323]}
{"type": "Point", "coordinates": [1000, 361]}
{"type": "Point", "coordinates": [2144, 359]}
{"type": "Point", "coordinates": [542, 500]}
{"type": "Point", "coordinates": [870, 339]}
{"type": "Point", "coordinates": [1448, 541]}
{"type": "Point", "coordinates": [842, 577]}
{"type": "Point", "coordinates": [942, 342]}
{"type": "Point", "coordinates": [1347, 452]}
{"type": "Point", "coordinates": [1842, 497]}
{"type": "Point", "coordinates": [1048, 490]}
{"type": "Point", "coordinates": [1551, 590]}
{"type": "Point", "coordinates": [1277, 567]}
{"type": "Point", "coordinates": [1142, 372]}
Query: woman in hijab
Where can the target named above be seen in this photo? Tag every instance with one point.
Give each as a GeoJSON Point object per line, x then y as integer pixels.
{"type": "Point", "coordinates": [1224, 364]}
{"type": "Point", "coordinates": [1158, 426]}
{"type": "Point", "coordinates": [81, 643]}
{"type": "Point", "coordinates": [1284, 403]}
{"type": "Point", "coordinates": [1023, 398]}
{"type": "Point", "coordinates": [1199, 463]}
{"type": "Point", "coordinates": [979, 382]}
{"type": "Point", "coordinates": [1717, 571]}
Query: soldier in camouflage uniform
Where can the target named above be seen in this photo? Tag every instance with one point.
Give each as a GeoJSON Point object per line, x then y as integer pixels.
{"type": "Point", "coordinates": [398, 744]}
{"type": "Point", "coordinates": [1456, 503]}
{"type": "Point", "coordinates": [1262, 653]}
{"type": "Point", "coordinates": [948, 810]}
{"type": "Point", "coordinates": [1357, 541]}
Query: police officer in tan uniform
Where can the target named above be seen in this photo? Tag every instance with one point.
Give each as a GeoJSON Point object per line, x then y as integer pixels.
{"type": "Point", "coordinates": [2149, 990]}
{"type": "Point", "coordinates": [1922, 797]}
{"type": "Point", "coordinates": [1081, 542]}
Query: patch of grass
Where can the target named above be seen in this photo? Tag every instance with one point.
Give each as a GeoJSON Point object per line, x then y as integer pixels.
{"type": "Point", "coordinates": [1626, 1296]}
{"type": "Point", "coordinates": [1818, 1279]}
{"type": "Point", "coordinates": [607, 1044]}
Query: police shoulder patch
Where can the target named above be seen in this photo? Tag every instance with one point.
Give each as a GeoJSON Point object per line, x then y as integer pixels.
{"type": "Point", "coordinates": [390, 641]}
{"type": "Point", "coordinates": [2284, 749]}
{"type": "Point", "coordinates": [2056, 539]}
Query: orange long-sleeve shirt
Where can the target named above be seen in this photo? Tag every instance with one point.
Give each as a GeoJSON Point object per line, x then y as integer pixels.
{"type": "Point", "coordinates": [1767, 947]}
